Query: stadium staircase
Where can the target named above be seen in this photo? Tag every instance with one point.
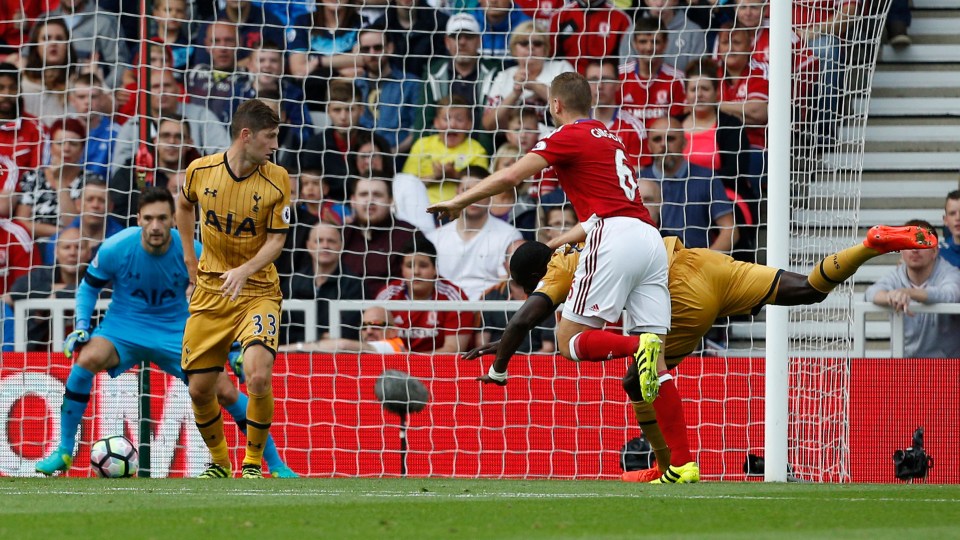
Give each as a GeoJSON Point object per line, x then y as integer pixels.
{"type": "Point", "coordinates": [912, 146]}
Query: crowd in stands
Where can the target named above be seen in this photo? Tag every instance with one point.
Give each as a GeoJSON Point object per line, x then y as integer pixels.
{"type": "Point", "coordinates": [387, 107]}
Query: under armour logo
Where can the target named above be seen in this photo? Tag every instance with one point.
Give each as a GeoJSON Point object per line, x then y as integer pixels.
{"type": "Point", "coordinates": [256, 202]}
{"type": "Point", "coordinates": [133, 275]}
{"type": "Point", "coordinates": [254, 445]}
{"type": "Point", "coordinates": [211, 192]}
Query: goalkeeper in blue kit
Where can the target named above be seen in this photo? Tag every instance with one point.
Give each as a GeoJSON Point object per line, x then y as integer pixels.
{"type": "Point", "coordinates": [145, 321]}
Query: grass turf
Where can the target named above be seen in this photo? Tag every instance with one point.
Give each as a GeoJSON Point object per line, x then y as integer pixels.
{"type": "Point", "coordinates": [443, 508]}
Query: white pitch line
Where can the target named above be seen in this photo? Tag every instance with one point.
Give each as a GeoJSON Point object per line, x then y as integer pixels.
{"type": "Point", "coordinates": [474, 496]}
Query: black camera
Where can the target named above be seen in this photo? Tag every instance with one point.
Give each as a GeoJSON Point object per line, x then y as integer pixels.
{"type": "Point", "coordinates": [913, 462]}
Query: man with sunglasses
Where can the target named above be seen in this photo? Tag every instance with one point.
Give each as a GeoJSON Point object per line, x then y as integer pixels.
{"type": "Point", "coordinates": [390, 96]}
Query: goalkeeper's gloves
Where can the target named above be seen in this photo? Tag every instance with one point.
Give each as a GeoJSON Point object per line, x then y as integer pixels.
{"type": "Point", "coordinates": [79, 336]}
{"type": "Point", "coordinates": [235, 356]}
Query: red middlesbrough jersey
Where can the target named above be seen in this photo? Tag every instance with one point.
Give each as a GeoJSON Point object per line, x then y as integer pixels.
{"type": "Point", "coordinates": [426, 331]}
{"type": "Point", "coordinates": [594, 170]}
{"type": "Point", "coordinates": [649, 99]}
{"type": "Point", "coordinates": [581, 35]}
{"type": "Point", "coordinates": [539, 9]}
{"type": "Point", "coordinates": [17, 255]}
{"type": "Point", "coordinates": [633, 133]}
{"type": "Point", "coordinates": [22, 141]}
{"type": "Point", "coordinates": [755, 85]}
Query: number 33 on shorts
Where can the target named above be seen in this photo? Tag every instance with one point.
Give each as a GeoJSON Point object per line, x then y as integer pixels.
{"type": "Point", "coordinates": [262, 326]}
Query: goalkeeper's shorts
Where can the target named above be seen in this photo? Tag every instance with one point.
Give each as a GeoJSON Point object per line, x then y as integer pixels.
{"type": "Point", "coordinates": [135, 344]}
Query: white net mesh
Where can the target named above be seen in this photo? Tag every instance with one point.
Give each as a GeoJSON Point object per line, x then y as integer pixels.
{"type": "Point", "coordinates": [384, 110]}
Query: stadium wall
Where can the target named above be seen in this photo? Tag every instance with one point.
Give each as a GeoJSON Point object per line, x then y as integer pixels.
{"type": "Point", "coordinates": [566, 421]}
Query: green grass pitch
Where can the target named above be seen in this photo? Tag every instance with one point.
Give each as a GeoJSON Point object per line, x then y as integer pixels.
{"type": "Point", "coordinates": [418, 508]}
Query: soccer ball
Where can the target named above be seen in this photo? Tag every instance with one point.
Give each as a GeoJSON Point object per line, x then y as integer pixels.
{"type": "Point", "coordinates": [114, 457]}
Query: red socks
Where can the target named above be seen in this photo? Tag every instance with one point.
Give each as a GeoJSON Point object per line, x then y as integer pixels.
{"type": "Point", "coordinates": [672, 423]}
{"type": "Point", "coordinates": [601, 345]}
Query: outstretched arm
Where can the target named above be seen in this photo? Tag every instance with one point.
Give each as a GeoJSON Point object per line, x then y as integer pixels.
{"type": "Point", "coordinates": [494, 184]}
{"type": "Point", "coordinates": [534, 310]}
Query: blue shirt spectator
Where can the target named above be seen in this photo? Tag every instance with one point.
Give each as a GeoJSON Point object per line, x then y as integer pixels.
{"type": "Point", "coordinates": [496, 25]}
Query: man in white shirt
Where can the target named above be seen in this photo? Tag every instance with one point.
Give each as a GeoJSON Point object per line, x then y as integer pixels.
{"type": "Point", "coordinates": [470, 250]}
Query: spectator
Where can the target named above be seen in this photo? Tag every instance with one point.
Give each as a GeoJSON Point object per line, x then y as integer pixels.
{"type": "Point", "coordinates": [135, 85]}
{"type": "Point", "coordinates": [898, 22]}
{"type": "Point", "coordinates": [692, 200]}
{"type": "Point", "coordinates": [744, 90]}
{"type": "Point", "coordinates": [331, 150]}
{"type": "Point", "coordinates": [588, 30]}
{"type": "Point", "coordinates": [374, 236]}
{"type": "Point", "coordinates": [17, 253]}
{"type": "Point", "coordinates": [48, 64]}
{"type": "Point", "coordinates": [464, 73]}
{"type": "Point", "coordinates": [523, 131]}
{"type": "Point", "coordinates": [950, 247]}
{"type": "Point", "coordinates": [715, 139]}
{"type": "Point", "coordinates": [508, 206]}
{"type": "Point", "coordinates": [438, 159]}
{"type": "Point", "coordinates": [93, 105]}
{"type": "Point", "coordinates": [606, 88]}
{"type": "Point", "coordinates": [540, 340]}
{"type": "Point", "coordinates": [377, 335]}
{"type": "Point", "coordinates": [556, 221]}
{"type": "Point", "coordinates": [305, 188]}
{"type": "Point", "coordinates": [96, 37]}
{"type": "Point", "coordinates": [207, 132]}
{"type": "Point", "coordinates": [255, 26]}
{"type": "Point", "coordinates": [471, 248]}
{"type": "Point", "coordinates": [409, 194]}
{"type": "Point", "coordinates": [94, 220]}
{"type": "Point", "coordinates": [47, 194]}
{"type": "Point", "coordinates": [416, 32]}
{"type": "Point", "coordinates": [527, 84]}
{"type": "Point", "coordinates": [924, 278]}
{"type": "Point", "coordinates": [322, 279]}
{"type": "Point", "coordinates": [267, 68]}
{"type": "Point", "coordinates": [221, 84]}
{"type": "Point", "coordinates": [650, 88]}
{"type": "Point", "coordinates": [390, 95]}
{"type": "Point", "coordinates": [686, 40]}
{"type": "Point", "coordinates": [173, 32]}
{"type": "Point", "coordinates": [157, 163]}
{"type": "Point", "coordinates": [323, 43]}
{"type": "Point", "coordinates": [427, 331]}
{"type": "Point", "coordinates": [21, 138]}
{"type": "Point", "coordinates": [58, 281]}
{"type": "Point", "coordinates": [498, 20]}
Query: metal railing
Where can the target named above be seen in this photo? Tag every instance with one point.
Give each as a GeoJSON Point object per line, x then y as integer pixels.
{"type": "Point", "coordinates": [58, 308]}
{"type": "Point", "coordinates": [860, 310]}
{"type": "Point", "coordinates": [338, 306]}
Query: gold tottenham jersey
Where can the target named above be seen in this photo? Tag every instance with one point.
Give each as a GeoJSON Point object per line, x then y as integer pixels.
{"type": "Point", "coordinates": [236, 214]}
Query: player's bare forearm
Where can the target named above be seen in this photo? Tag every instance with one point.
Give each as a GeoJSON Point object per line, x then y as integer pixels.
{"type": "Point", "coordinates": [186, 219]}
{"type": "Point", "coordinates": [494, 184]}
{"type": "Point", "coordinates": [534, 310]}
{"type": "Point", "coordinates": [574, 235]}
{"type": "Point", "coordinates": [234, 279]}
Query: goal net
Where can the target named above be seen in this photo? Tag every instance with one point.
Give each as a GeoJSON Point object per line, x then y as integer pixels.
{"type": "Point", "coordinates": [384, 110]}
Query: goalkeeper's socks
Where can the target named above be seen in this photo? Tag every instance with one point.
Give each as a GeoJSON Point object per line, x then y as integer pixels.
{"type": "Point", "coordinates": [601, 345]}
{"type": "Point", "coordinates": [669, 409]}
{"type": "Point", "coordinates": [647, 419]}
{"type": "Point", "coordinates": [239, 413]}
{"type": "Point", "coordinates": [837, 268]}
{"type": "Point", "coordinates": [259, 417]}
{"type": "Point", "coordinates": [75, 399]}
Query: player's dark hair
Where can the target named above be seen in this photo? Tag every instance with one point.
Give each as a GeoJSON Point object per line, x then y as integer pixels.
{"type": "Point", "coordinates": [953, 196]}
{"type": "Point", "coordinates": [529, 264]}
{"type": "Point", "coordinates": [921, 223]}
{"type": "Point", "coordinates": [154, 194]}
{"type": "Point", "coordinates": [573, 90]}
{"type": "Point", "coordinates": [254, 115]}
{"type": "Point", "coordinates": [419, 245]}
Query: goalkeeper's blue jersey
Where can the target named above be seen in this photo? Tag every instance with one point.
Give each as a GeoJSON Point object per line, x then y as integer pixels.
{"type": "Point", "coordinates": [147, 288]}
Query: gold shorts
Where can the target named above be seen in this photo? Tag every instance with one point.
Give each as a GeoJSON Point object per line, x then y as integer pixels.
{"type": "Point", "coordinates": [216, 322]}
{"type": "Point", "coordinates": [705, 285]}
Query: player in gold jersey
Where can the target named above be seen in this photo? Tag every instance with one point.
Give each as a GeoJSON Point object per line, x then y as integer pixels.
{"type": "Point", "coordinates": [244, 202]}
{"type": "Point", "coordinates": [704, 285]}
